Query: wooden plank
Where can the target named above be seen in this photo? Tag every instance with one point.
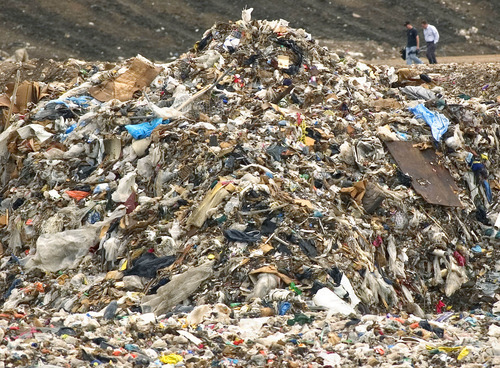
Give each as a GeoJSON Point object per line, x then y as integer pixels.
{"type": "Point", "coordinates": [429, 178]}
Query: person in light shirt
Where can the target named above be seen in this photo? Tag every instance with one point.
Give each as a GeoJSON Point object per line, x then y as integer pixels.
{"type": "Point", "coordinates": [431, 36]}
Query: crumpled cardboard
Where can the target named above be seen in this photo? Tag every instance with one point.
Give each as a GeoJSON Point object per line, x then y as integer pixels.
{"type": "Point", "coordinates": [386, 103]}
{"type": "Point", "coordinates": [272, 270]}
{"type": "Point", "coordinates": [4, 101]}
{"type": "Point", "coordinates": [357, 191]}
{"type": "Point", "coordinates": [139, 75]}
{"type": "Point", "coordinates": [27, 92]}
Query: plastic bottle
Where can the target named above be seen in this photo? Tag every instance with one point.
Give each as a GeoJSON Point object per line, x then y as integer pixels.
{"type": "Point", "coordinates": [497, 222]}
{"type": "Point", "coordinates": [280, 295]}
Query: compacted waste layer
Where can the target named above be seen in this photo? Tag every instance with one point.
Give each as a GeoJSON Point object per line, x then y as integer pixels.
{"type": "Point", "coordinates": [258, 201]}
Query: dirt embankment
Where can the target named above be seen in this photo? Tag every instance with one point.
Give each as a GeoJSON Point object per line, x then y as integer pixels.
{"type": "Point", "coordinates": [465, 59]}
{"type": "Point", "coordinates": [92, 30]}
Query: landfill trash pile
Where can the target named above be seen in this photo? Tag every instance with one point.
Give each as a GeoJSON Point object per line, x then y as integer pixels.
{"type": "Point", "coordinates": [258, 201]}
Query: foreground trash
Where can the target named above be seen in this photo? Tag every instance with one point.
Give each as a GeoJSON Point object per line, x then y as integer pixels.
{"type": "Point", "coordinates": [230, 337]}
{"type": "Point", "coordinates": [255, 202]}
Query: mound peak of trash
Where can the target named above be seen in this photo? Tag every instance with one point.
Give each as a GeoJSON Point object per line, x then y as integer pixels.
{"type": "Point", "coordinates": [258, 201]}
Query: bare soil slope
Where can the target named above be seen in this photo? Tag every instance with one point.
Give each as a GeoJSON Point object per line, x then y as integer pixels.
{"type": "Point", "coordinates": [113, 29]}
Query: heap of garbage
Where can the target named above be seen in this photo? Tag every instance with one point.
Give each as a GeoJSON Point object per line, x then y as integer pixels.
{"type": "Point", "coordinates": [259, 201]}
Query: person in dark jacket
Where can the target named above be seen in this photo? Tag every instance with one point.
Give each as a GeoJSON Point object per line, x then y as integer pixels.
{"type": "Point", "coordinates": [412, 45]}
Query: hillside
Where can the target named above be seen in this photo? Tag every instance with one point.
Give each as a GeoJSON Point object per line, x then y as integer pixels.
{"type": "Point", "coordinates": [114, 29]}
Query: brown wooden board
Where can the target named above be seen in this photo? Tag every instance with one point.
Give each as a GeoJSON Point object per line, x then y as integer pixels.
{"type": "Point", "coordinates": [429, 178]}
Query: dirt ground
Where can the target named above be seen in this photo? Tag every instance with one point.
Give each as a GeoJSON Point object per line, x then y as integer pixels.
{"type": "Point", "coordinates": [116, 29]}
{"type": "Point", "coordinates": [469, 59]}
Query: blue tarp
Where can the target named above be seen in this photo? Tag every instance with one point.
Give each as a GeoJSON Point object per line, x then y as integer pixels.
{"type": "Point", "coordinates": [438, 122]}
{"type": "Point", "coordinates": [144, 130]}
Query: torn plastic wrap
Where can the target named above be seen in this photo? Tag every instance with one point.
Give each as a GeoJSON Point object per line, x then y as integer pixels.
{"type": "Point", "coordinates": [179, 288]}
{"type": "Point", "coordinates": [66, 249]}
{"type": "Point", "coordinates": [438, 122]}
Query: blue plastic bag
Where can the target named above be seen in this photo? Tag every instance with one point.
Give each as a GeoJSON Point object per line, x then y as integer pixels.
{"type": "Point", "coordinates": [144, 130]}
{"type": "Point", "coordinates": [82, 101]}
{"type": "Point", "coordinates": [283, 308]}
{"type": "Point", "coordinates": [438, 122]}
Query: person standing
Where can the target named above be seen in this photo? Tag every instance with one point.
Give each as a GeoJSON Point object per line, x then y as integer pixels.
{"type": "Point", "coordinates": [412, 45]}
{"type": "Point", "coordinates": [431, 36]}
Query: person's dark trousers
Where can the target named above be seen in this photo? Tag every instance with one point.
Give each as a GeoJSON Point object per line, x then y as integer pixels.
{"type": "Point", "coordinates": [431, 52]}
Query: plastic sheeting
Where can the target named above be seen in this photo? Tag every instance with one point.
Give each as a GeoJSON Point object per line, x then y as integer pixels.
{"type": "Point", "coordinates": [178, 289]}
{"type": "Point", "coordinates": [438, 122]}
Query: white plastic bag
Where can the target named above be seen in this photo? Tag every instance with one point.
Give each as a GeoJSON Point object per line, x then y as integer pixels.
{"type": "Point", "coordinates": [125, 188]}
{"type": "Point", "coordinates": [62, 250]}
{"type": "Point", "coordinates": [329, 300]}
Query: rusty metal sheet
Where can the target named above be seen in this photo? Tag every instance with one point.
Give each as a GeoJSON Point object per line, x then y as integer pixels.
{"type": "Point", "coordinates": [429, 178]}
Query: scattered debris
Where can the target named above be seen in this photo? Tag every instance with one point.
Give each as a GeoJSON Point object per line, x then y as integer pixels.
{"type": "Point", "coordinates": [259, 201]}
